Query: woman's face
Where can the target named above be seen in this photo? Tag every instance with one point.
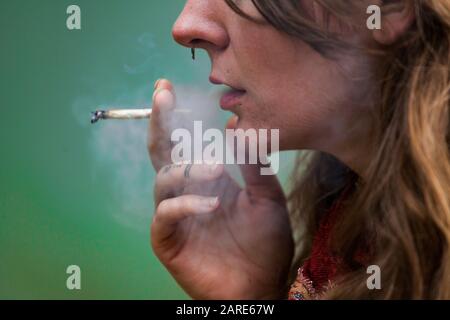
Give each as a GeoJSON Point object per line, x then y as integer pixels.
{"type": "Point", "coordinates": [280, 82]}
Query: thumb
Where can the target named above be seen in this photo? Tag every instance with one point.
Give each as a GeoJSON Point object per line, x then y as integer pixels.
{"type": "Point", "coordinates": [256, 184]}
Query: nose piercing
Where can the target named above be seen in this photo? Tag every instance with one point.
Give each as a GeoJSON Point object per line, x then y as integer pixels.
{"type": "Point", "coordinates": [193, 53]}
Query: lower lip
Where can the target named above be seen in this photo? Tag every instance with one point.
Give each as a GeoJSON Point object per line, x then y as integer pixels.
{"type": "Point", "coordinates": [231, 99]}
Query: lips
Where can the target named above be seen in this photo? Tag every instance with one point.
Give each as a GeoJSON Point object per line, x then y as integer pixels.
{"type": "Point", "coordinates": [232, 97]}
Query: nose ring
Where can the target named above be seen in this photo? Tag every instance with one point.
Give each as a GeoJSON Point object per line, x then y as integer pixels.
{"type": "Point", "coordinates": [193, 53]}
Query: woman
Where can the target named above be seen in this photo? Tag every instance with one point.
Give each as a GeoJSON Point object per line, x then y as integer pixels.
{"type": "Point", "coordinates": [372, 106]}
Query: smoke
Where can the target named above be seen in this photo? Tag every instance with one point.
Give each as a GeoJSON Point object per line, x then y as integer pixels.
{"type": "Point", "coordinates": [147, 57]}
{"type": "Point", "coordinates": [119, 148]}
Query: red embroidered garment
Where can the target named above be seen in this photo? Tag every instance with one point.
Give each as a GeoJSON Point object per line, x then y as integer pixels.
{"type": "Point", "coordinates": [319, 271]}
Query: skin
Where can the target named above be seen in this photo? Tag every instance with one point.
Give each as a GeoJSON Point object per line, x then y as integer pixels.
{"type": "Point", "coordinates": [233, 242]}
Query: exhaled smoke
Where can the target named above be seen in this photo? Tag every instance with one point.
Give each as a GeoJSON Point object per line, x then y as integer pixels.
{"type": "Point", "coordinates": [119, 148]}
{"type": "Point", "coordinates": [145, 54]}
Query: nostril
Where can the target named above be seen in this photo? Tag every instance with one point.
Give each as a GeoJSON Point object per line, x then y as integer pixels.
{"type": "Point", "coordinates": [195, 43]}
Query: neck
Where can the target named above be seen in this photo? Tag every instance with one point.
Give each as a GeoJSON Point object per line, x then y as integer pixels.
{"type": "Point", "coordinates": [352, 143]}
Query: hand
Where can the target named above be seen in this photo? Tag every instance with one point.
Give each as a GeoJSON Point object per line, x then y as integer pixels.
{"type": "Point", "coordinates": [218, 240]}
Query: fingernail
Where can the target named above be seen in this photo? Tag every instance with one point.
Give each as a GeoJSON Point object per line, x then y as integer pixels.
{"type": "Point", "coordinates": [157, 83]}
{"type": "Point", "coordinates": [213, 202]}
{"type": "Point", "coordinates": [157, 91]}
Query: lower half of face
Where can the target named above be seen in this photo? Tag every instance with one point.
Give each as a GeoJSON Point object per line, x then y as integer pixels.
{"type": "Point", "coordinates": [309, 102]}
{"type": "Point", "coordinates": [291, 87]}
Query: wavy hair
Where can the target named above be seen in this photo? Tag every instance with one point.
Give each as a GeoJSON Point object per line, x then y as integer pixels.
{"type": "Point", "coordinates": [401, 210]}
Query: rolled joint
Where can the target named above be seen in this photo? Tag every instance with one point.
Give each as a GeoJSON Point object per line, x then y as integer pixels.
{"type": "Point", "coordinates": [126, 114]}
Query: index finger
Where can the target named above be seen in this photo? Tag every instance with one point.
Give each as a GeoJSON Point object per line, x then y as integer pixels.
{"type": "Point", "coordinates": [159, 143]}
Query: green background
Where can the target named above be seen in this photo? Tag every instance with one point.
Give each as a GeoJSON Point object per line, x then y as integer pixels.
{"type": "Point", "coordinates": [66, 195]}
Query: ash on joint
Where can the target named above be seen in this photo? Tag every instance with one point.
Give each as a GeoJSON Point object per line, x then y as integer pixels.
{"type": "Point", "coordinates": [97, 115]}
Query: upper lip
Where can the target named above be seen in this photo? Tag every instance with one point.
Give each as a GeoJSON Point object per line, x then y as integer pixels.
{"type": "Point", "coordinates": [217, 81]}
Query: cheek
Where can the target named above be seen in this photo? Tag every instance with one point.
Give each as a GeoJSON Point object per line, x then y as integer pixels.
{"type": "Point", "coordinates": [284, 89]}
{"type": "Point", "coordinates": [290, 86]}
{"type": "Point", "coordinates": [303, 104]}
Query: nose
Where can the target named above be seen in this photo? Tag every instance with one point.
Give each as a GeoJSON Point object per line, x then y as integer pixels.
{"type": "Point", "coordinates": [200, 25]}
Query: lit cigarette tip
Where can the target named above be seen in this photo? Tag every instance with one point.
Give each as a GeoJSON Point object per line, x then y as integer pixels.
{"type": "Point", "coordinates": [97, 115]}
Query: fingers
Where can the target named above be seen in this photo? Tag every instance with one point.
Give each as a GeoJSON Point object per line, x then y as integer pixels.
{"type": "Point", "coordinates": [171, 211]}
{"type": "Point", "coordinates": [159, 143]}
{"type": "Point", "coordinates": [172, 179]}
{"type": "Point", "coordinates": [256, 184]}
{"type": "Point", "coordinates": [163, 84]}
{"type": "Point", "coordinates": [232, 123]}
{"type": "Point", "coordinates": [261, 186]}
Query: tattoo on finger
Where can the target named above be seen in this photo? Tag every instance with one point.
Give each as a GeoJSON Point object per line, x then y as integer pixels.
{"type": "Point", "coordinates": [187, 171]}
{"type": "Point", "coordinates": [166, 169]}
